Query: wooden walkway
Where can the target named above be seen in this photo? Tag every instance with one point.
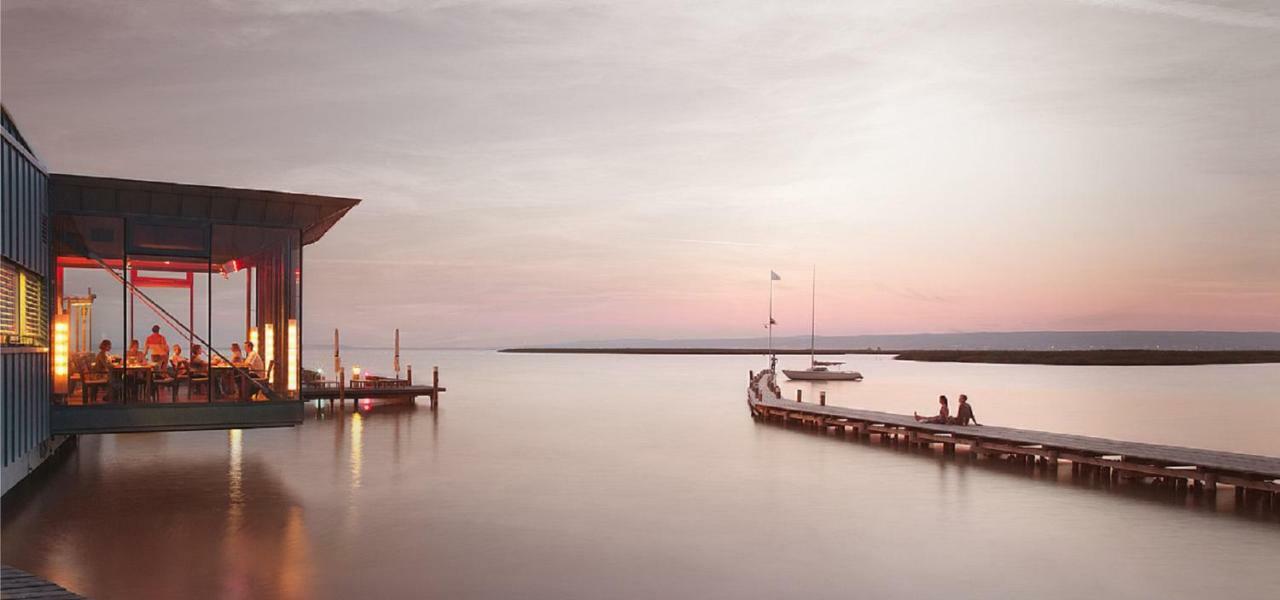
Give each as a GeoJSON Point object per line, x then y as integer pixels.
{"type": "Point", "coordinates": [21, 585]}
{"type": "Point", "coordinates": [405, 391]}
{"type": "Point", "coordinates": [374, 388]}
{"type": "Point", "coordinates": [1203, 469]}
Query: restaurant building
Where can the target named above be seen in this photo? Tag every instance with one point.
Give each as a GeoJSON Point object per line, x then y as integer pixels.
{"type": "Point", "coordinates": [92, 261]}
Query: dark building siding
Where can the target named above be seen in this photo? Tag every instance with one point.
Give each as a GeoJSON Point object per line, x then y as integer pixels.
{"type": "Point", "coordinates": [24, 370]}
{"type": "Point", "coordinates": [26, 403]}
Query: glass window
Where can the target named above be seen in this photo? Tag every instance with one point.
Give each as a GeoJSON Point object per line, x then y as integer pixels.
{"type": "Point", "coordinates": [24, 310]}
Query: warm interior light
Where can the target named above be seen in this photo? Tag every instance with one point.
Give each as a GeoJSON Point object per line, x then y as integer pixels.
{"type": "Point", "coordinates": [253, 338]}
{"type": "Point", "coordinates": [61, 348]}
{"type": "Point", "coordinates": [355, 372]}
{"type": "Point", "coordinates": [292, 355]}
{"type": "Point", "coordinates": [269, 349]}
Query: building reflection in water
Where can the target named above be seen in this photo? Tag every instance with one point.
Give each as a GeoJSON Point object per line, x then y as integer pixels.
{"type": "Point", "coordinates": [221, 524]}
{"type": "Point", "coordinates": [357, 449]}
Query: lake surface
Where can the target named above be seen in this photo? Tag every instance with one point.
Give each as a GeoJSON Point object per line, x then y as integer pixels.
{"type": "Point", "coordinates": [567, 476]}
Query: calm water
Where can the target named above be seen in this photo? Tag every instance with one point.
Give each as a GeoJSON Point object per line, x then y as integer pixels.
{"type": "Point", "coordinates": [644, 476]}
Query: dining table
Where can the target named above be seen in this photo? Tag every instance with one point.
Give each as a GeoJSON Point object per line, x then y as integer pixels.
{"type": "Point", "coordinates": [127, 377]}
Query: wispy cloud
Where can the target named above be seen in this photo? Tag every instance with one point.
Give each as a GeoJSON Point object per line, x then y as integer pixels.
{"type": "Point", "coordinates": [713, 242]}
{"type": "Point", "coordinates": [1196, 11]}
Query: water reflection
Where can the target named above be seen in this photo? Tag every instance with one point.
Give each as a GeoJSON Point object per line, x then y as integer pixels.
{"type": "Point", "coordinates": [559, 477]}
{"type": "Point", "coordinates": [357, 449]}
{"type": "Point", "coordinates": [165, 529]}
{"type": "Point", "coordinates": [1254, 507]}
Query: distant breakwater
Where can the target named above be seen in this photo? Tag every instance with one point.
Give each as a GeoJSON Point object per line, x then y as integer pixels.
{"type": "Point", "coordinates": [1096, 357]}
{"type": "Point", "coordinates": [790, 351]}
{"type": "Point", "coordinates": [1122, 357]}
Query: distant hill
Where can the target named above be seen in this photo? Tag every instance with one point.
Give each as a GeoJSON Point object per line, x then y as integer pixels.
{"type": "Point", "coordinates": [993, 340]}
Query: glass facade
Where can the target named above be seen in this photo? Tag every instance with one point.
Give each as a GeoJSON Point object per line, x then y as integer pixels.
{"type": "Point", "coordinates": [178, 310]}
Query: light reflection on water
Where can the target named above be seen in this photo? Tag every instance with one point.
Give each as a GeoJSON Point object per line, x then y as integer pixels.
{"type": "Point", "coordinates": [568, 476]}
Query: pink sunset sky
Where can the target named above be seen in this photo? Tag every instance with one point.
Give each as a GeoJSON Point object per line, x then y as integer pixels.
{"type": "Point", "coordinates": [548, 171]}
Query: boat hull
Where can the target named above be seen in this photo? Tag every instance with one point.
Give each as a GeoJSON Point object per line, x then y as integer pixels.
{"type": "Point", "coordinates": [822, 375]}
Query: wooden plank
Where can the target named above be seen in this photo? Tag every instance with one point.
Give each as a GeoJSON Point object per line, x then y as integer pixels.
{"type": "Point", "coordinates": [19, 585]}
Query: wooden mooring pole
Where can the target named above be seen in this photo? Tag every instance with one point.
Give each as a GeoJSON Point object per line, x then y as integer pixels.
{"type": "Point", "coordinates": [337, 366]}
{"type": "Point", "coordinates": [435, 387]}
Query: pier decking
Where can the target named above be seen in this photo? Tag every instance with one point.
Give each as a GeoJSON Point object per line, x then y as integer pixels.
{"type": "Point", "coordinates": [1180, 466]}
{"type": "Point", "coordinates": [18, 584]}
{"type": "Point", "coordinates": [373, 388]}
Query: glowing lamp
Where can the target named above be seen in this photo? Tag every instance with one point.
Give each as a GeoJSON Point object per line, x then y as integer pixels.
{"type": "Point", "coordinates": [292, 354]}
{"type": "Point", "coordinates": [61, 350]}
{"type": "Point", "coordinates": [253, 337]}
{"type": "Point", "coordinates": [269, 348]}
{"type": "Point", "coordinates": [355, 372]}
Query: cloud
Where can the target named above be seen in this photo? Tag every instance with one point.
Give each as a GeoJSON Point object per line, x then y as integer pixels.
{"type": "Point", "coordinates": [1204, 13]}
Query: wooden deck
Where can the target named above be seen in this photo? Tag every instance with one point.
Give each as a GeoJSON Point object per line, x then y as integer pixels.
{"type": "Point", "coordinates": [1203, 469]}
{"type": "Point", "coordinates": [404, 391]}
{"type": "Point", "coordinates": [21, 585]}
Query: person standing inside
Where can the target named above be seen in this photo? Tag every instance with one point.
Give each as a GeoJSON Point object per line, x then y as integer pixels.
{"type": "Point", "coordinates": [157, 346]}
{"type": "Point", "coordinates": [964, 412]}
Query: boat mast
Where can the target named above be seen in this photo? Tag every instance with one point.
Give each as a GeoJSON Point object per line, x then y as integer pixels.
{"type": "Point", "coordinates": [813, 318]}
{"type": "Point", "coordinates": [772, 359]}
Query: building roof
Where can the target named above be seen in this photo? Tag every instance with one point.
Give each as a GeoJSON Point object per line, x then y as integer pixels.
{"type": "Point", "coordinates": [312, 214]}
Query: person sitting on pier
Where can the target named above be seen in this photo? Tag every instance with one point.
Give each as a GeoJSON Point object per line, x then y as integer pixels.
{"type": "Point", "coordinates": [944, 415]}
{"type": "Point", "coordinates": [964, 413]}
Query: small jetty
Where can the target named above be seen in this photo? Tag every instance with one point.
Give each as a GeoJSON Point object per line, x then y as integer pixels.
{"type": "Point", "coordinates": [18, 584]}
{"type": "Point", "coordinates": [1180, 467]}
{"type": "Point", "coordinates": [369, 387]}
{"type": "Point", "coordinates": [373, 388]}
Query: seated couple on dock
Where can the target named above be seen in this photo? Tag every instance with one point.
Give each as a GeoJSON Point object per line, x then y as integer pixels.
{"type": "Point", "coordinates": [964, 414]}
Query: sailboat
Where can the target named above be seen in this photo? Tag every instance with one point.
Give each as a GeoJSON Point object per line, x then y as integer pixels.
{"type": "Point", "coordinates": [818, 369]}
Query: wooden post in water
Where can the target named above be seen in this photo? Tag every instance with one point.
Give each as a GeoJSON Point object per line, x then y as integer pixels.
{"type": "Point", "coordinates": [435, 387]}
{"type": "Point", "coordinates": [396, 361]}
{"type": "Point", "coordinates": [337, 365]}
{"type": "Point", "coordinates": [409, 376]}
{"type": "Point", "coordinates": [822, 398]}
{"type": "Point", "coordinates": [342, 381]}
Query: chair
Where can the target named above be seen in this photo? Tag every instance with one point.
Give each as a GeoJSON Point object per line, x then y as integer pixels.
{"type": "Point", "coordinates": [90, 382]}
{"type": "Point", "coordinates": [260, 377]}
{"type": "Point", "coordinates": [199, 379]}
{"type": "Point", "coordinates": [162, 378]}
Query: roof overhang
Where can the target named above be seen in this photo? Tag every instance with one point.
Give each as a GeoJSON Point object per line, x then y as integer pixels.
{"type": "Point", "coordinates": [312, 214]}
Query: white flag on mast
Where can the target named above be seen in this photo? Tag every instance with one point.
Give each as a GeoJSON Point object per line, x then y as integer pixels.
{"type": "Point", "coordinates": [774, 276]}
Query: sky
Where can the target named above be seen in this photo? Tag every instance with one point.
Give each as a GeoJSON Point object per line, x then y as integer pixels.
{"type": "Point", "coordinates": [544, 171]}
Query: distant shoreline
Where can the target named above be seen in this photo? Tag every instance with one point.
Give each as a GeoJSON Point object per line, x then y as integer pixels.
{"type": "Point", "coordinates": [1096, 357]}
{"type": "Point", "coordinates": [1013, 357]}
{"type": "Point", "coordinates": [708, 351]}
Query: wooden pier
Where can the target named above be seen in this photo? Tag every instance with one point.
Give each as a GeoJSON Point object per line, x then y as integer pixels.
{"type": "Point", "coordinates": [1203, 470]}
{"type": "Point", "coordinates": [18, 584]}
{"type": "Point", "coordinates": [370, 387]}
